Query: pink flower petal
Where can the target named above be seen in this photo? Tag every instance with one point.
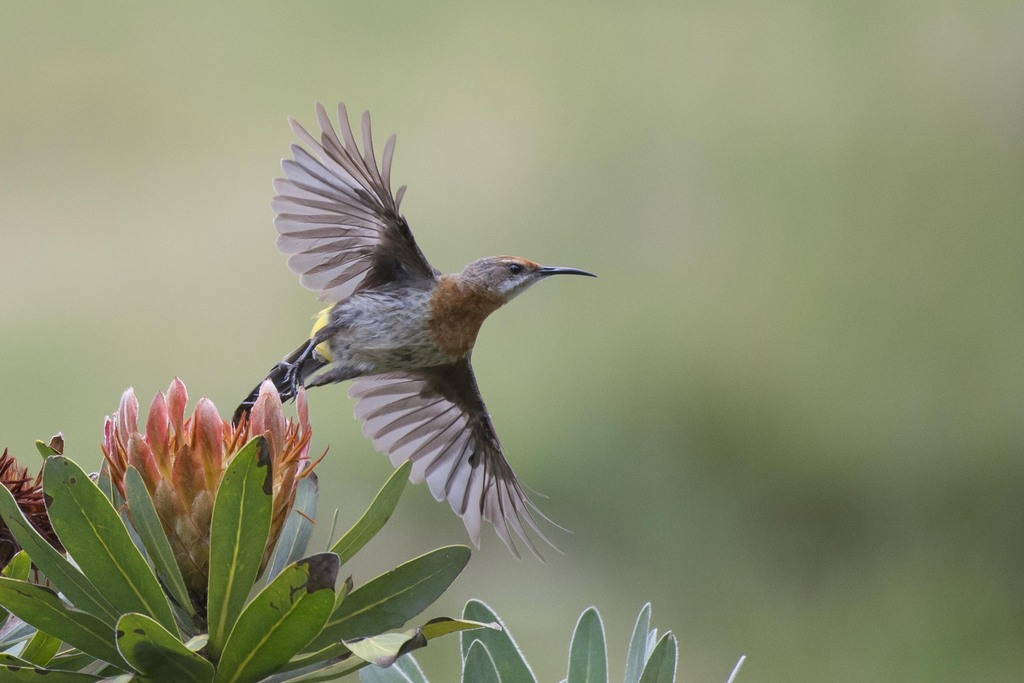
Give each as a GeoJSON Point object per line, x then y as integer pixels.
{"type": "Point", "coordinates": [141, 458]}
{"type": "Point", "coordinates": [157, 428]}
{"type": "Point", "coordinates": [177, 397]}
{"type": "Point", "coordinates": [208, 431]}
{"type": "Point", "coordinates": [267, 416]}
{"type": "Point", "coordinates": [127, 415]}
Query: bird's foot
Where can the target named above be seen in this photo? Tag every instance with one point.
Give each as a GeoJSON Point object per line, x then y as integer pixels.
{"type": "Point", "coordinates": [291, 382]}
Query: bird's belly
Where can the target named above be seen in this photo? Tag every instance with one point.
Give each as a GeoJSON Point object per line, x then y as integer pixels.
{"type": "Point", "coordinates": [377, 334]}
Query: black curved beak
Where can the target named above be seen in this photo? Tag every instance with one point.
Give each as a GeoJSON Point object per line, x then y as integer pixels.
{"type": "Point", "coordinates": [560, 270]}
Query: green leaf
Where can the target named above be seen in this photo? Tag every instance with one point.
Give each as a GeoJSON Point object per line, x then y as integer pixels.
{"type": "Point", "coordinates": [479, 666]}
{"type": "Point", "coordinates": [42, 608]}
{"type": "Point", "coordinates": [588, 660]}
{"type": "Point", "coordinates": [104, 484]}
{"type": "Point", "coordinates": [96, 537]}
{"type": "Point", "coordinates": [147, 525]}
{"type": "Point", "coordinates": [661, 665]}
{"type": "Point", "coordinates": [314, 661]}
{"type": "Point", "coordinates": [512, 667]}
{"type": "Point", "coordinates": [73, 660]}
{"type": "Point", "coordinates": [7, 659]}
{"type": "Point", "coordinates": [19, 566]}
{"type": "Point", "coordinates": [54, 447]}
{"type": "Point", "coordinates": [17, 671]}
{"type": "Point", "coordinates": [338, 657]}
{"type": "Point", "coordinates": [41, 649]}
{"type": "Point", "coordinates": [157, 653]}
{"type": "Point", "coordinates": [330, 674]}
{"type": "Point", "coordinates": [395, 597]}
{"type": "Point", "coordinates": [442, 626]}
{"type": "Point", "coordinates": [373, 520]}
{"type": "Point", "coordinates": [323, 656]}
{"type": "Point", "coordinates": [280, 620]}
{"type": "Point", "coordinates": [384, 649]}
{"type": "Point", "coordinates": [291, 544]}
{"type": "Point", "coordinates": [636, 655]}
{"type": "Point", "coordinates": [64, 575]}
{"type": "Point", "coordinates": [238, 536]}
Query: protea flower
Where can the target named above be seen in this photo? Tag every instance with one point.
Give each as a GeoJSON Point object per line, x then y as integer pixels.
{"type": "Point", "coordinates": [28, 492]}
{"type": "Point", "coordinates": [182, 461]}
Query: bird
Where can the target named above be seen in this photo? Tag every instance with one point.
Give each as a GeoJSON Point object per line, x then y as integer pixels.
{"type": "Point", "coordinates": [400, 330]}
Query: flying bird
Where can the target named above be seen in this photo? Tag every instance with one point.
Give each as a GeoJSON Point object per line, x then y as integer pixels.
{"type": "Point", "coordinates": [402, 331]}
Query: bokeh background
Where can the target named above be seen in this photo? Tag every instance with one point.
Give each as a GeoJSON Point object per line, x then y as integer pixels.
{"type": "Point", "coordinates": [790, 411]}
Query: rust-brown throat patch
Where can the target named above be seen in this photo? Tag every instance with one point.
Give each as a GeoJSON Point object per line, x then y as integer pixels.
{"type": "Point", "coordinates": [457, 310]}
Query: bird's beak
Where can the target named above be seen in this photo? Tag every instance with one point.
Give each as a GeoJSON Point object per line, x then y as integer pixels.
{"type": "Point", "coordinates": [559, 270]}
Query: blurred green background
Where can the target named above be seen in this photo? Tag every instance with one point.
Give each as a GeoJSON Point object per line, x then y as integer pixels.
{"type": "Point", "coordinates": [790, 411]}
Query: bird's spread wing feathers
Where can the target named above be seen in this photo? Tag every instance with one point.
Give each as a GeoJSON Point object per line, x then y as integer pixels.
{"type": "Point", "coordinates": [337, 216]}
{"type": "Point", "coordinates": [436, 418]}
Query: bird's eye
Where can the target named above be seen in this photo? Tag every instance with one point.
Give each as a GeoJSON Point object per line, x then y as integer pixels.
{"type": "Point", "coordinates": [514, 268]}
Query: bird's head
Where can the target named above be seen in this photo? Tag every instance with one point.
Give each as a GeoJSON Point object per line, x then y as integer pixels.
{"type": "Point", "coordinates": [507, 276]}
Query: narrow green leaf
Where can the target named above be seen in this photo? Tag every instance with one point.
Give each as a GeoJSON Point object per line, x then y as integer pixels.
{"type": "Point", "coordinates": [330, 674]}
{"type": "Point", "coordinates": [95, 536]}
{"type": "Point", "coordinates": [384, 649]}
{"type": "Point", "coordinates": [42, 608]}
{"type": "Point", "coordinates": [150, 530]}
{"type": "Point", "coordinates": [64, 575]}
{"type": "Point", "coordinates": [238, 535]}
{"type": "Point", "coordinates": [373, 520]}
{"type": "Point", "coordinates": [73, 660]}
{"type": "Point", "coordinates": [395, 597]}
{"type": "Point", "coordinates": [291, 544]}
{"type": "Point", "coordinates": [7, 659]}
{"type": "Point", "coordinates": [280, 620]}
{"type": "Point", "coordinates": [479, 666]}
{"type": "Point", "coordinates": [104, 484]}
{"type": "Point", "coordinates": [339, 654]}
{"type": "Point", "coordinates": [41, 649]}
{"type": "Point", "coordinates": [661, 665]}
{"type": "Point", "coordinates": [588, 659]}
{"type": "Point", "coordinates": [22, 673]}
{"type": "Point", "coordinates": [442, 626]}
{"type": "Point", "coordinates": [636, 655]}
{"type": "Point", "coordinates": [19, 566]}
{"type": "Point", "coordinates": [512, 667]}
{"type": "Point", "coordinates": [156, 653]}
{"type": "Point", "coordinates": [318, 659]}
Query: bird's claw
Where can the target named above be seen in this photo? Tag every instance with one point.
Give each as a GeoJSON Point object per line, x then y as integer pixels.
{"type": "Point", "coordinates": [292, 381]}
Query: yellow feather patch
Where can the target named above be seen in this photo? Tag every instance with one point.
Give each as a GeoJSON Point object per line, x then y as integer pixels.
{"type": "Point", "coordinates": [322, 318]}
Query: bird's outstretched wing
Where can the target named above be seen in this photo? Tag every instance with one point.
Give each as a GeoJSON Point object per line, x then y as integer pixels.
{"type": "Point", "coordinates": [337, 217]}
{"type": "Point", "coordinates": [436, 418]}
